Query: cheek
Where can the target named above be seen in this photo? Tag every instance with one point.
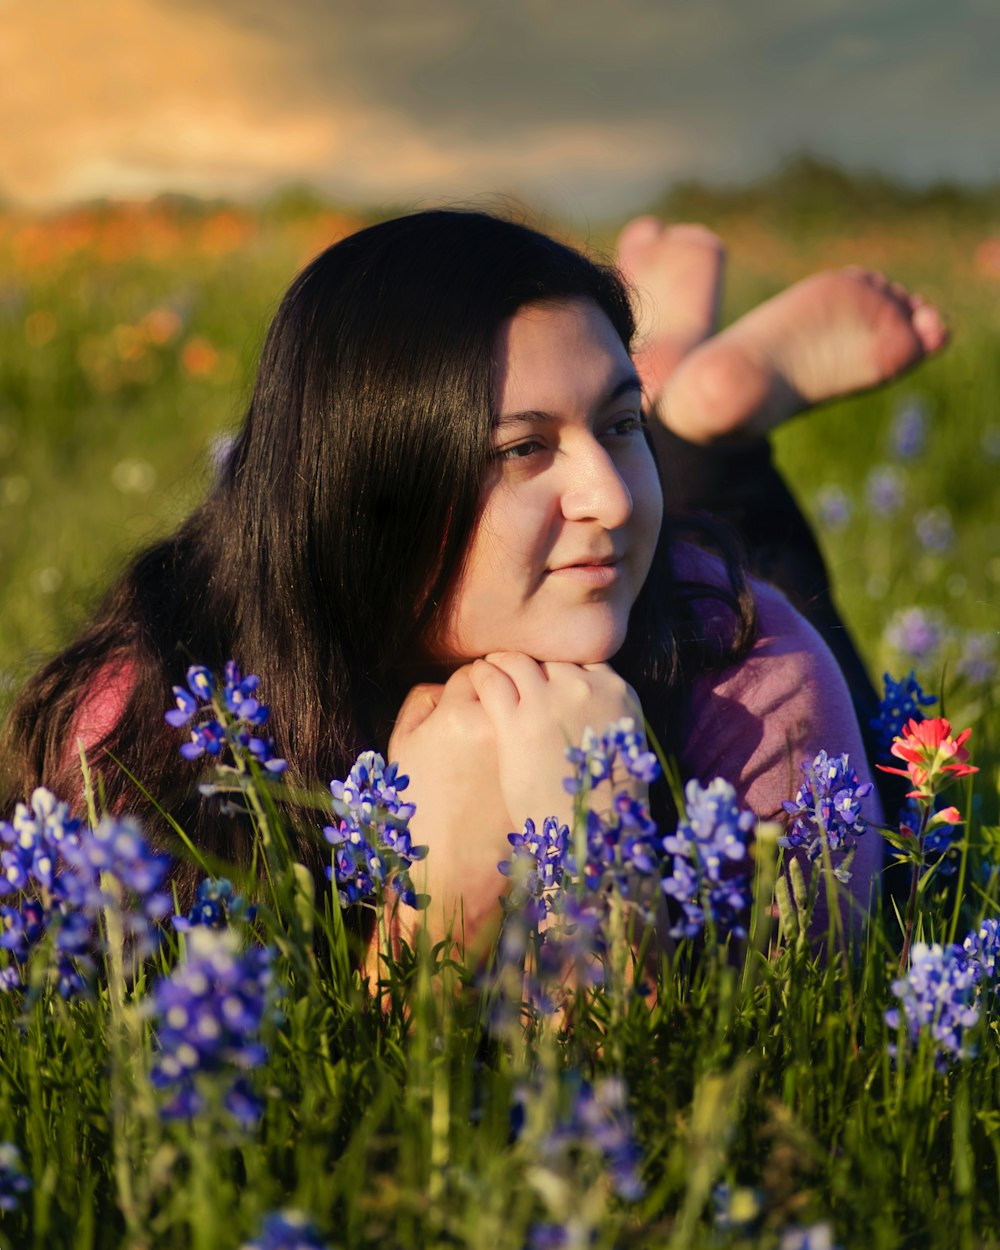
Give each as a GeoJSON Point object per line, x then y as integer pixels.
{"type": "Point", "coordinates": [495, 580]}
{"type": "Point", "coordinates": [647, 503]}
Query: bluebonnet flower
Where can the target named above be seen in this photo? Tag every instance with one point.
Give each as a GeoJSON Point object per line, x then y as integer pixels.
{"type": "Point", "coordinates": [569, 882]}
{"type": "Point", "coordinates": [915, 633]}
{"type": "Point", "coordinates": [208, 1015]}
{"type": "Point", "coordinates": [902, 702]}
{"type": "Point", "coordinates": [885, 490]}
{"type": "Point", "coordinates": [621, 849]}
{"type": "Point", "coordinates": [61, 861]}
{"type": "Point", "coordinates": [10, 979]}
{"type": "Point", "coordinates": [977, 660]}
{"type": "Point", "coordinates": [118, 846]}
{"type": "Point", "coordinates": [815, 1237]}
{"type": "Point", "coordinates": [555, 1237]}
{"type": "Point", "coordinates": [937, 995]}
{"type": "Point", "coordinates": [33, 840]}
{"type": "Point", "coordinates": [372, 787]}
{"type": "Point", "coordinates": [736, 1210]}
{"type": "Point", "coordinates": [982, 949]}
{"type": "Point", "coordinates": [599, 1123]}
{"type": "Point", "coordinates": [286, 1230]}
{"type": "Point", "coordinates": [371, 840]}
{"type": "Point", "coordinates": [934, 529]}
{"type": "Point", "coordinates": [594, 760]}
{"type": "Point", "coordinates": [709, 877]}
{"type": "Point", "coordinates": [537, 866]}
{"type": "Point", "coordinates": [827, 805]}
{"type": "Point", "coordinates": [237, 715]}
{"type": "Point", "coordinates": [834, 507]}
{"type": "Point", "coordinates": [215, 905]}
{"type": "Point", "coordinates": [908, 433]}
{"type": "Point", "coordinates": [939, 838]}
{"type": "Point", "coordinates": [14, 1181]}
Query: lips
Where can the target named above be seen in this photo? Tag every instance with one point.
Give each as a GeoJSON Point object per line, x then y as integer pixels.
{"type": "Point", "coordinates": [587, 562]}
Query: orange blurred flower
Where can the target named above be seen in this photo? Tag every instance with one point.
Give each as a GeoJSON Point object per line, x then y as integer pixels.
{"type": "Point", "coordinates": [199, 358]}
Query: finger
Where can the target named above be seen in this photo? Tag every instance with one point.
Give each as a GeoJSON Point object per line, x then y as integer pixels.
{"type": "Point", "coordinates": [417, 706]}
{"type": "Point", "coordinates": [607, 681]}
{"type": "Point", "coordinates": [494, 688]}
{"type": "Point", "coordinates": [459, 687]}
{"type": "Point", "coordinates": [529, 677]}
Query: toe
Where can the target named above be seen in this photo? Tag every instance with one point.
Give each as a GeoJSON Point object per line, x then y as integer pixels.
{"type": "Point", "coordinates": [693, 233]}
{"type": "Point", "coordinates": [929, 327]}
{"type": "Point", "coordinates": [637, 236]}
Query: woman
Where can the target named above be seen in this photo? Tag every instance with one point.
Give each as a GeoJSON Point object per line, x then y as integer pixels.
{"type": "Point", "coordinates": [434, 536]}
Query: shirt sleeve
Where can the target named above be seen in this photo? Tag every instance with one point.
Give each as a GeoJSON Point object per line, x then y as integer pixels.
{"type": "Point", "coordinates": [757, 721]}
{"type": "Point", "coordinates": [100, 709]}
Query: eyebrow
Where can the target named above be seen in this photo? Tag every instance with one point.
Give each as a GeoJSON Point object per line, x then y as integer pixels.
{"type": "Point", "coordinates": [628, 385]}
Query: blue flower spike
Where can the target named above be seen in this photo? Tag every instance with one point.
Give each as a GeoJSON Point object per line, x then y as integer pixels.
{"type": "Point", "coordinates": [208, 1016]}
{"type": "Point", "coordinates": [14, 1181]}
{"type": "Point", "coordinates": [711, 879]}
{"type": "Point", "coordinates": [827, 805]}
{"type": "Point", "coordinates": [371, 842]}
{"type": "Point", "coordinates": [233, 727]}
{"type": "Point", "coordinates": [286, 1230]}
{"type": "Point", "coordinates": [201, 683]}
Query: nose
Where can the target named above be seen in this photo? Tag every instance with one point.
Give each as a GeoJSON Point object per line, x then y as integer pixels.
{"type": "Point", "coordinates": [594, 489]}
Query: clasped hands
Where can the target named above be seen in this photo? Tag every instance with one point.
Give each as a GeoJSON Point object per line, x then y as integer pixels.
{"type": "Point", "coordinates": [486, 750]}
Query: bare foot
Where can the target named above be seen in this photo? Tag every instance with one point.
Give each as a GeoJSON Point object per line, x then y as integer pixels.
{"type": "Point", "coordinates": [676, 276]}
{"type": "Point", "coordinates": [837, 332]}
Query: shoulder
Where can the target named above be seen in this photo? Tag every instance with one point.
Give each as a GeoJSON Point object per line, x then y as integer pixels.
{"type": "Point", "coordinates": [754, 722]}
{"type": "Point", "coordinates": [102, 705]}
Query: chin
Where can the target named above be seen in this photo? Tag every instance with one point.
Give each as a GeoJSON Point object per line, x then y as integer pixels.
{"type": "Point", "coordinates": [587, 647]}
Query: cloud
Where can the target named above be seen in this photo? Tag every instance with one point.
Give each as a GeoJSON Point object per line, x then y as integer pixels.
{"type": "Point", "coordinates": [582, 103]}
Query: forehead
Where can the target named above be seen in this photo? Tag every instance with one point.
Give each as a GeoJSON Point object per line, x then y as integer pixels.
{"type": "Point", "coordinates": [558, 357]}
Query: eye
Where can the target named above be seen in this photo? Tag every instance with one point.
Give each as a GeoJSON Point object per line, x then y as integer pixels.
{"type": "Point", "coordinates": [625, 426]}
{"type": "Point", "coordinates": [517, 451]}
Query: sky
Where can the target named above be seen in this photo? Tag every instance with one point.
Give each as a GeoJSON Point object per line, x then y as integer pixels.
{"type": "Point", "coordinates": [586, 107]}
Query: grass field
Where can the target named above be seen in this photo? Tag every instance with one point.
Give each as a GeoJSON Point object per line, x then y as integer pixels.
{"type": "Point", "coordinates": [128, 338]}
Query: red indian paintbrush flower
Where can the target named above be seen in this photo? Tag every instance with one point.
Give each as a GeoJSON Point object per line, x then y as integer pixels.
{"type": "Point", "coordinates": [933, 758]}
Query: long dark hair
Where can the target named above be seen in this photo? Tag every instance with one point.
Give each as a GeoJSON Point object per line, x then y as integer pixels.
{"type": "Point", "coordinates": [339, 522]}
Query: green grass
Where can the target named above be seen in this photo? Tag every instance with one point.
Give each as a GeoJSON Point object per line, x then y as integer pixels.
{"type": "Point", "coordinates": [770, 1073]}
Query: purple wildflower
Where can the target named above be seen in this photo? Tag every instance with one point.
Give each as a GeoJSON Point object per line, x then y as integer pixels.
{"type": "Point", "coordinates": [286, 1230]}
{"type": "Point", "coordinates": [902, 702]}
{"type": "Point", "coordinates": [709, 877]}
{"type": "Point", "coordinates": [977, 661]}
{"type": "Point", "coordinates": [908, 433]}
{"type": "Point", "coordinates": [982, 948]}
{"type": "Point", "coordinates": [371, 839]}
{"type": "Point", "coordinates": [229, 720]}
{"type": "Point", "coordinates": [215, 905]}
{"type": "Point", "coordinates": [937, 997]}
{"type": "Point", "coordinates": [815, 1237]}
{"type": "Point", "coordinates": [594, 760]}
{"type": "Point", "coordinates": [827, 806]}
{"type": "Point", "coordinates": [885, 490]}
{"type": "Point", "coordinates": [208, 1015]}
{"type": "Point", "coordinates": [63, 862]}
{"type": "Point", "coordinates": [834, 507]}
{"type": "Point", "coordinates": [934, 529]}
{"type": "Point", "coordinates": [915, 633]}
{"type": "Point", "coordinates": [14, 1181]}
{"type": "Point", "coordinates": [599, 1124]}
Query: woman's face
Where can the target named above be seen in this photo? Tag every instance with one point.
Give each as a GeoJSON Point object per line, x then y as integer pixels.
{"type": "Point", "coordinates": [572, 505]}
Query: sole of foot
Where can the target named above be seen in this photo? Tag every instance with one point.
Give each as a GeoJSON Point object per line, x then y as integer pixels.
{"type": "Point", "coordinates": [830, 335]}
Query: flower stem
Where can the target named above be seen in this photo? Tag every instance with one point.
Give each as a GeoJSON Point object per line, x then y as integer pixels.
{"type": "Point", "coordinates": [911, 903]}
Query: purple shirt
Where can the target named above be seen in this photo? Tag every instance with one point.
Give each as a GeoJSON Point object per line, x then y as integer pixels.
{"type": "Point", "coordinates": [755, 722]}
